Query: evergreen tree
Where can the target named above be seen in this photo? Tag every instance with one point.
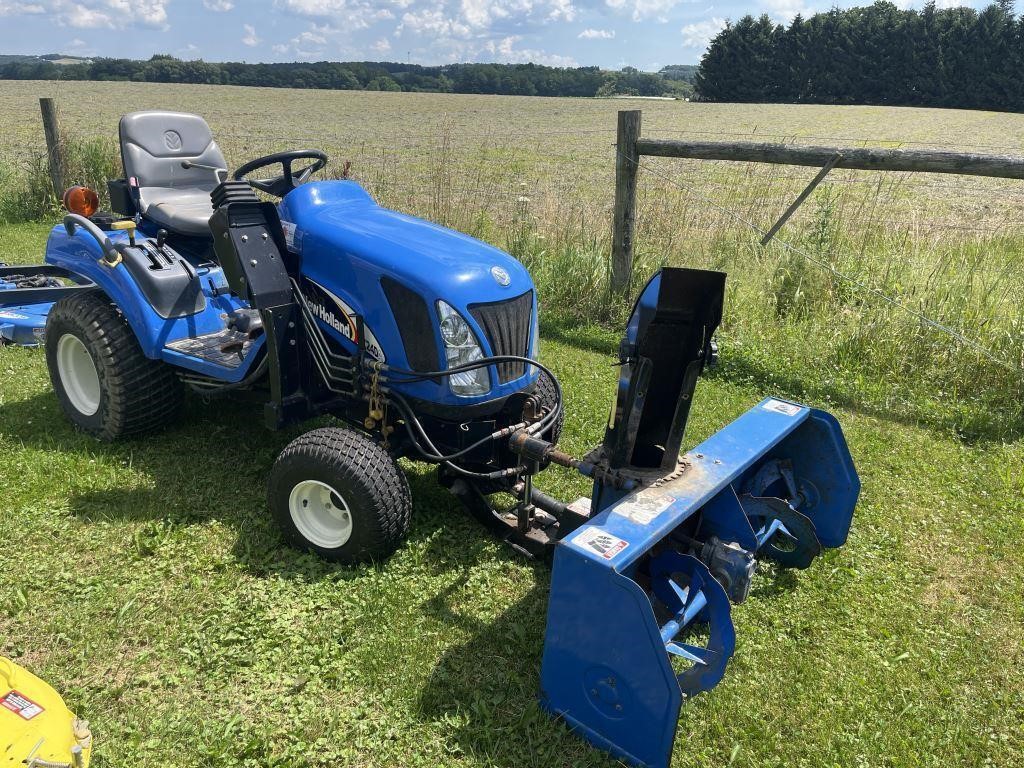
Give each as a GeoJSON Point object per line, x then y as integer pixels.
{"type": "Point", "coordinates": [877, 54]}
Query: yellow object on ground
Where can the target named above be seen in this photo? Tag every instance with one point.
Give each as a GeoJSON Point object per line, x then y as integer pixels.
{"type": "Point", "coordinates": [37, 730]}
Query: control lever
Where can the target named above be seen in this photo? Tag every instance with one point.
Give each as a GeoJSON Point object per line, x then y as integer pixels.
{"type": "Point", "coordinates": [187, 164]}
{"type": "Point", "coordinates": [247, 321]}
{"type": "Point", "coordinates": [161, 238]}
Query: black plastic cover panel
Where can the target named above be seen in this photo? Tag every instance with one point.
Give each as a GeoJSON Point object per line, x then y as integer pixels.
{"type": "Point", "coordinates": [415, 325]}
{"type": "Point", "coordinates": [169, 284]}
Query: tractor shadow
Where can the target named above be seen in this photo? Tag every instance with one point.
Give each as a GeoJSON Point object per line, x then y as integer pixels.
{"type": "Point", "coordinates": [211, 464]}
{"type": "Point", "coordinates": [484, 691]}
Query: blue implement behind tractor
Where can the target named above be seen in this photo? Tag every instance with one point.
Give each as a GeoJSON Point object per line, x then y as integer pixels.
{"type": "Point", "coordinates": [422, 343]}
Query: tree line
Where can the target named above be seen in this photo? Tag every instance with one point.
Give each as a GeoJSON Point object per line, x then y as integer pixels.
{"type": "Point", "coordinates": [879, 54]}
{"type": "Point", "coordinates": [504, 79]}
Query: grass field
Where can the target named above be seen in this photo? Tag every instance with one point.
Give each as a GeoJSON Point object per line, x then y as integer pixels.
{"type": "Point", "coordinates": [146, 582]}
{"type": "Point", "coordinates": [535, 176]}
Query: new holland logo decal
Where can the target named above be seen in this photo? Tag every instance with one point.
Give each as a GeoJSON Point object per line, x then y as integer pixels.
{"type": "Point", "coordinates": [330, 309]}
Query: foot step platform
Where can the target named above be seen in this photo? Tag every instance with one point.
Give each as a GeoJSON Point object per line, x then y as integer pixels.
{"type": "Point", "coordinates": [227, 348]}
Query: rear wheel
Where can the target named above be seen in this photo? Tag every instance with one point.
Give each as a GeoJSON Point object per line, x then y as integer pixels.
{"type": "Point", "coordinates": [103, 381]}
{"type": "Point", "coordinates": [338, 493]}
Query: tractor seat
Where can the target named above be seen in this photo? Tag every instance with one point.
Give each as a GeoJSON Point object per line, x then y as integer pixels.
{"type": "Point", "coordinates": [153, 146]}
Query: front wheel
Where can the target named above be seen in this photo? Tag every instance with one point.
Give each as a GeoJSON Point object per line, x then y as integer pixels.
{"type": "Point", "coordinates": [338, 493]}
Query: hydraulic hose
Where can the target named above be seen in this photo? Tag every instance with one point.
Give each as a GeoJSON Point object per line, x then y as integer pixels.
{"type": "Point", "coordinates": [411, 421]}
{"type": "Point", "coordinates": [413, 424]}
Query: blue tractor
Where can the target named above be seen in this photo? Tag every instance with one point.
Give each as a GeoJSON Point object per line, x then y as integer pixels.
{"type": "Point", "coordinates": [422, 342]}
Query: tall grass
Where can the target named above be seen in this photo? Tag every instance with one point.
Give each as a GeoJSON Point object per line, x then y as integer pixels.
{"type": "Point", "coordinates": [26, 191]}
{"type": "Point", "coordinates": [806, 320]}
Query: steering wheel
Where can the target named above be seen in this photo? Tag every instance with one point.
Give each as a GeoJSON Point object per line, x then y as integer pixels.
{"type": "Point", "coordinates": [279, 186]}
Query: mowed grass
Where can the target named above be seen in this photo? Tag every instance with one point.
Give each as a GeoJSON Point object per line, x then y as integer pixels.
{"type": "Point", "coordinates": [146, 582]}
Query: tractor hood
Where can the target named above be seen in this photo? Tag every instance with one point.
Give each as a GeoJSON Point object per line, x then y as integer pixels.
{"type": "Point", "coordinates": [361, 263]}
{"type": "Point", "coordinates": [336, 224]}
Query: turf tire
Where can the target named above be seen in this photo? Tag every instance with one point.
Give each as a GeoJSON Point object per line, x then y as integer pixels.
{"type": "Point", "coordinates": [136, 394]}
{"type": "Point", "coordinates": [547, 393]}
{"type": "Point", "coordinates": [366, 478]}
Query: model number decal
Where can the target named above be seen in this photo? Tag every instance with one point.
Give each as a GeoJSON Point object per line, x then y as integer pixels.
{"type": "Point", "coordinates": [787, 409]}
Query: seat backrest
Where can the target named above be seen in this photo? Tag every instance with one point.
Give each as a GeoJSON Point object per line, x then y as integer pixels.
{"type": "Point", "coordinates": [154, 144]}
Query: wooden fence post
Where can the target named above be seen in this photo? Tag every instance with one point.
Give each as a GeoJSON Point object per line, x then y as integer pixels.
{"type": "Point", "coordinates": [54, 150]}
{"type": "Point", "coordinates": [626, 165]}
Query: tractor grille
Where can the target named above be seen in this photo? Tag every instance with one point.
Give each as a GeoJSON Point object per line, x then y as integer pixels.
{"type": "Point", "coordinates": [507, 325]}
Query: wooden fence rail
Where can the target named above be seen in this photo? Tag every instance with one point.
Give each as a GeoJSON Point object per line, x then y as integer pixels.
{"type": "Point", "coordinates": [631, 146]}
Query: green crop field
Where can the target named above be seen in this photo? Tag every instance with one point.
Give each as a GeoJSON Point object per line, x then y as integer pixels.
{"type": "Point", "coordinates": [145, 581]}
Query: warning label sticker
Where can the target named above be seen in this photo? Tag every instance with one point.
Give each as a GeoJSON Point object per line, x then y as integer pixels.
{"type": "Point", "coordinates": [290, 238]}
{"type": "Point", "coordinates": [645, 506]}
{"type": "Point", "coordinates": [781, 407]}
{"type": "Point", "coordinates": [20, 705]}
{"type": "Point", "coordinates": [601, 543]}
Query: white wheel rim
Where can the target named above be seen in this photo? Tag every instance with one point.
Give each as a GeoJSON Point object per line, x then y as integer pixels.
{"type": "Point", "coordinates": [78, 374]}
{"type": "Point", "coordinates": [320, 513]}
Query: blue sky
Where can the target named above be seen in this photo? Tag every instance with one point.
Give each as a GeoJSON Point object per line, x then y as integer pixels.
{"type": "Point", "coordinates": [610, 33]}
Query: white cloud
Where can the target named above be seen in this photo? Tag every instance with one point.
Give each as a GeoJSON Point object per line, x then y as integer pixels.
{"type": "Point", "coordinates": [313, 43]}
{"type": "Point", "coordinates": [783, 11]}
{"type": "Point", "coordinates": [78, 47]}
{"type": "Point", "coordinates": [17, 9]}
{"type": "Point", "coordinates": [316, 7]}
{"type": "Point", "coordinates": [94, 14]}
{"type": "Point", "coordinates": [250, 38]}
{"type": "Point", "coordinates": [81, 17]}
{"type": "Point", "coordinates": [433, 21]}
{"type": "Point", "coordinates": [699, 35]}
{"type": "Point", "coordinates": [152, 13]}
{"type": "Point", "coordinates": [220, 6]}
{"type": "Point", "coordinates": [646, 9]}
{"type": "Point", "coordinates": [481, 14]}
{"type": "Point", "coordinates": [382, 45]}
{"type": "Point", "coordinates": [596, 34]}
{"type": "Point", "coordinates": [505, 51]}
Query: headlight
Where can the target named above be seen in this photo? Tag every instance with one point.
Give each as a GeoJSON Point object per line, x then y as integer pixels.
{"type": "Point", "coordinates": [461, 347]}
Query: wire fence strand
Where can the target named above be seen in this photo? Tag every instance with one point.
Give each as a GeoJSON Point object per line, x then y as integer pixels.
{"type": "Point", "coordinates": [802, 253]}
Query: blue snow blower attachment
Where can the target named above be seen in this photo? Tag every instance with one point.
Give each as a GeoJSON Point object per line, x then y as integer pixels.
{"type": "Point", "coordinates": [670, 540]}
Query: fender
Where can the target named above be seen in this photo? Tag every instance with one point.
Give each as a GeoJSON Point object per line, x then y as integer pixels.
{"type": "Point", "coordinates": [82, 255]}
